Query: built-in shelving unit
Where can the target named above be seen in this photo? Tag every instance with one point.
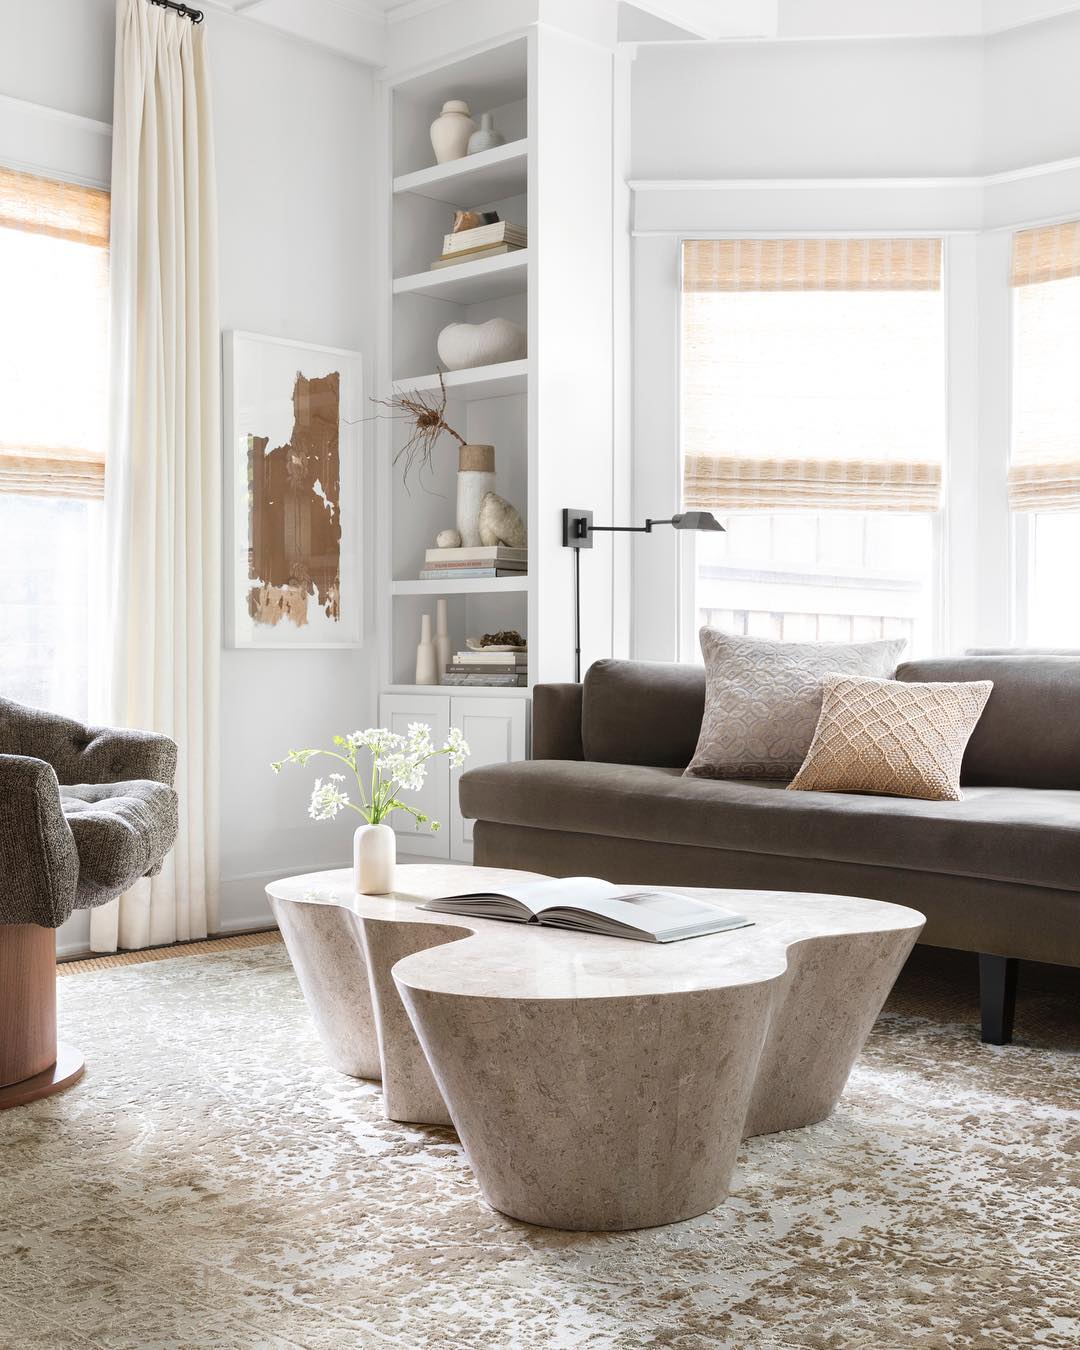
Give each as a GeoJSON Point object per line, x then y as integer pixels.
{"type": "Point", "coordinates": [508, 379]}
{"type": "Point", "coordinates": [549, 415]}
{"type": "Point", "coordinates": [489, 176]}
{"type": "Point", "coordinates": [464, 586]}
{"type": "Point", "coordinates": [470, 283]}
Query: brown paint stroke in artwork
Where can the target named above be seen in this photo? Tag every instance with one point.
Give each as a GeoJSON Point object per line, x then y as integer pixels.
{"type": "Point", "coordinates": [295, 522]}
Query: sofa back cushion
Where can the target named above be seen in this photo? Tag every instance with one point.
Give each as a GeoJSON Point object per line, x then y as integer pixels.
{"type": "Point", "coordinates": [642, 712]}
{"type": "Point", "coordinates": [1029, 733]}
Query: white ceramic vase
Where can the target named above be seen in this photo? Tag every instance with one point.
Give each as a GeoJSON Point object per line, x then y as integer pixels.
{"type": "Point", "coordinates": [374, 857]}
{"type": "Point", "coordinates": [451, 130]}
{"type": "Point", "coordinates": [442, 636]}
{"type": "Point", "coordinates": [462, 346]}
{"type": "Point", "coordinates": [427, 669]}
{"type": "Point", "coordinates": [487, 138]}
{"type": "Point", "coordinates": [476, 478]}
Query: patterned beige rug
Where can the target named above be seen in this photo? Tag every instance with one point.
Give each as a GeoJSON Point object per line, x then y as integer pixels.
{"type": "Point", "coordinates": [212, 1183]}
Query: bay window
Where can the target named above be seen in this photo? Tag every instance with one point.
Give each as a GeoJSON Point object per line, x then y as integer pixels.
{"type": "Point", "coordinates": [1044, 469]}
{"type": "Point", "coordinates": [53, 380]}
{"type": "Point", "coordinates": [813, 425]}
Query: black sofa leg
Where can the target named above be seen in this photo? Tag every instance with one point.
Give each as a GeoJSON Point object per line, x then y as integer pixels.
{"type": "Point", "coordinates": [997, 997]}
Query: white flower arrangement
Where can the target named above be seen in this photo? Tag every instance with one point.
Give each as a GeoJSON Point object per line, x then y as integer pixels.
{"type": "Point", "coordinates": [398, 764]}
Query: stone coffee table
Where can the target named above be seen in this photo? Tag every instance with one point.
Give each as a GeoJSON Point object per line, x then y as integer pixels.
{"type": "Point", "coordinates": [595, 1083]}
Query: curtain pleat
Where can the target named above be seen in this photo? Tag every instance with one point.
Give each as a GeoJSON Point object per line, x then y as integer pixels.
{"type": "Point", "coordinates": [162, 495]}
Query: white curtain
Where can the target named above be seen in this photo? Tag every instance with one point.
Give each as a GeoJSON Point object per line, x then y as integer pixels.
{"type": "Point", "coordinates": [162, 478]}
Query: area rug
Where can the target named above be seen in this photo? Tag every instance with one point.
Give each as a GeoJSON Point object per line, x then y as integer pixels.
{"type": "Point", "coordinates": [212, 1182]}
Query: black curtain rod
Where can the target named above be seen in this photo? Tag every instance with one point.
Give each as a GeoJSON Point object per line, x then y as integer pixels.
{"type": "Point", "coordinates": [185, 11]}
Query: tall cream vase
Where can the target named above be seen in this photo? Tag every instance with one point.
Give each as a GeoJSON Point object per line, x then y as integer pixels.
{"type": "Point", "coordinates": [374, 859]}
{"type": "Point", "coordinates": [476, 477]}
{"type": "Point", "coordinates": [451, 130]}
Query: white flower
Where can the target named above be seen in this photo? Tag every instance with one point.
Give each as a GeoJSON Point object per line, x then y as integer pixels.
{"type": "Point", "coordinates": [456, 747]}
{"type": "Point", "coordinates": [419, 738]}
{"type": "Point", "coordinates": [376, 739]}
{"type": "Point", "coordinates": [327, 800]}
{"type": "Point", "coordinates": [406, 770]}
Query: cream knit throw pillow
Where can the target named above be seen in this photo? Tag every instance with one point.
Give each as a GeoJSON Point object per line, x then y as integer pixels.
{"type": "Point", "coordinates": [893, 738]}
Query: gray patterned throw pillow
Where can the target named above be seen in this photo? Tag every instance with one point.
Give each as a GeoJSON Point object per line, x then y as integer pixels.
{"type": "Point", "coordinates": [763, 699]}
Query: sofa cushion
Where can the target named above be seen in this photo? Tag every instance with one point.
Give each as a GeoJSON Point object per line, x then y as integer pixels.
{"type": "Point", "coordinates": [122, 832]}
{"type": "Point", "coordinates": [1018, 835]}
{"type": "Point", "coordinates": [1029, 733]}
{"type": "Point", "coordinates": [763, 697]}
{"type": "Point", "coordinates": [642, 712]}
{"type": "Point", "coordinates": [892, 737]}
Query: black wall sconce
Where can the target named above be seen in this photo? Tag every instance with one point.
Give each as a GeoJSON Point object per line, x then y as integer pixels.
{"type": "Point", "coordinates": [577, 533]}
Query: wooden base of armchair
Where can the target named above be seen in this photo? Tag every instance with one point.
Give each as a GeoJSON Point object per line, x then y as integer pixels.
{"type": "Point", "coordinates": [32, 1065]}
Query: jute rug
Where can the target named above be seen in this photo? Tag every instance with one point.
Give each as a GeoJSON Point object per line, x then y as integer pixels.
{"type": "Point", "coordinates": [212, 1183]}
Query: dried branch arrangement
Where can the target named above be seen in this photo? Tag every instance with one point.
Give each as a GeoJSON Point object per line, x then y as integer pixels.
{"type": "Point", "coordinates": [427, 413]}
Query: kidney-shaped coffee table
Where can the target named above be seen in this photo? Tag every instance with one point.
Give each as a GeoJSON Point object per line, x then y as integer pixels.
{"type": "Point", "coordinates": [595, 1082]}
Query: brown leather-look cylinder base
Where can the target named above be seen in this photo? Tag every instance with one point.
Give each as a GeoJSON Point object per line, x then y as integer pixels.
{"type": "Point", "coordinates": [27, 1001]}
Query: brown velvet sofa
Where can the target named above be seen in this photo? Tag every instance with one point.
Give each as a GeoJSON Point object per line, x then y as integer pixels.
{"type": "Point", "coordinates": [997, 873]}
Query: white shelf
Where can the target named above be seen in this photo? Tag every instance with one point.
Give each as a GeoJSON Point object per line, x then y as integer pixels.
{"type": "Point", "coordinates": [498, 381]}
{"type": "Point", "coordinates": [464, 690]}
{"type": "Point", "coordinates": [470, 282]}
{"type": "Point", "coordinates": [463, 586]}
{"type": "Point", "coordinates": [473, 181]}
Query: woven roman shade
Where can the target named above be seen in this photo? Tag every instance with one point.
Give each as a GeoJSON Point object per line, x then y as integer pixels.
{"type": "Point", "coordinates": [749, 374]}
{"type": "Point", "coordinates": [52, 385]}
{"type": "Point", "coordinates": [1044, 469]}
{"type": "Point", "coordinates": [812, 265]}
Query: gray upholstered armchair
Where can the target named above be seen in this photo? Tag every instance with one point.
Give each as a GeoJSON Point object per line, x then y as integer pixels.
{"type": "Point", "coordinates": [84, 813]}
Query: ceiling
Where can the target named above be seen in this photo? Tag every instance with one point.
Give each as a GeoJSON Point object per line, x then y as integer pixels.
{"type": "Point", "coordinates": [358, 28]}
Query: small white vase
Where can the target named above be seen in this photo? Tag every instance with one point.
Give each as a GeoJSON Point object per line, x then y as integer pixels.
{"type": "Point", "coordinates": [487, 138]}
{"type": "Point", "coordinates": [442, 637]}
{"type": "Point", "coordinates": [476, 478]}
{"type": "Point", "coordinates": [374, 857]}
{"type": "Point", "coordinates": [451, 130]}
{"type": "Point", "coordinates": [427, 669]}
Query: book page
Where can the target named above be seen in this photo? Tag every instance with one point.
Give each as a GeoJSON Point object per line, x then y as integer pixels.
{"type": "Point", "coordinates": [536, 896]}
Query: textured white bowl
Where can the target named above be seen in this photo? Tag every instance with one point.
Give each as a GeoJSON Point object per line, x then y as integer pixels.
{"type": "Point", "coordinates": [465, 345]}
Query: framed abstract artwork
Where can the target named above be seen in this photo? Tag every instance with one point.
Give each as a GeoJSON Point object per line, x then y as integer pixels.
{"type": "Point", "coordinates": [293, 494]}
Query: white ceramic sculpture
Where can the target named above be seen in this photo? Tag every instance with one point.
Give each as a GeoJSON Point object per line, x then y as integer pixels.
{"type": "Point", "coordinates": [500, 523]}
{"type": "Point", "coordinates": [487, 138]}
{"type": "Point", "coordinates": [462, 346]}
{"type": "Point", "coordinates": [451, 130]}
{"type": "Point", "coordinates": [475, 480]}
{"type": "Point", "coordinates": [427, 670]}
{"type": "Point", "coordinates": [448, 539]}
{"type": "Point", "coordinates": [443, 649]}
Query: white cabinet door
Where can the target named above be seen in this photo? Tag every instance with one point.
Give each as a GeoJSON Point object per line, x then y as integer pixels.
{"type": "Point", "coordinates": [496, 731]}
{"type": "Point", "coordinates": [396, 711]}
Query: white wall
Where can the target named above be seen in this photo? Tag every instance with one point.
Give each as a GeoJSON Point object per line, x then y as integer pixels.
{"type": "Point", "coordinates": [295, 162]}
{"type": "Point", "coordinates": [1031, 112]}
{"type": "Point", "coordinates": [807, 109]}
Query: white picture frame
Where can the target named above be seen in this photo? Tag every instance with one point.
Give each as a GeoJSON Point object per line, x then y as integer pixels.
{"type": "Point", "coordinates": [266, 534]}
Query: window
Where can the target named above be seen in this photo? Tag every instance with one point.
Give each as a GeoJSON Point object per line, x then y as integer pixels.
{"type": "Point", "coordinates": [1044, 471]}
{"type": "Point", "coordinates": [813, 424]}
{"type": "Point", "coordinates": [53, 380]}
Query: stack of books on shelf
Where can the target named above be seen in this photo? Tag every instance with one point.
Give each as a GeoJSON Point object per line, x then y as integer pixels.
{"type": "Point", "coordinates": [485, 241]}
{"type": "Point", "coordinates": [445, 564]}
{"type": "Point", "coordinates": [506, 668]}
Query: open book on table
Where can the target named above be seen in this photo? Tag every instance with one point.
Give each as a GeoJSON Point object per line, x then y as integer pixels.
{"type": "Point", "coordinates": [589, 905]}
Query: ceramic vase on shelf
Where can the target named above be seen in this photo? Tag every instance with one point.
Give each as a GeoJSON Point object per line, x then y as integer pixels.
{"type": "Point", "coordinates": [487, 138]}
{"type": "Point", "coordinates": [476, 476]}
{"type": "Point", "coordinates": [374, 857]}
{"type": "Point", "coordinates": [427, 669]}
{"type": "Point", "coordinates": [451, 130]}
{"type": "Point", "coordinates": [442, 636]}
